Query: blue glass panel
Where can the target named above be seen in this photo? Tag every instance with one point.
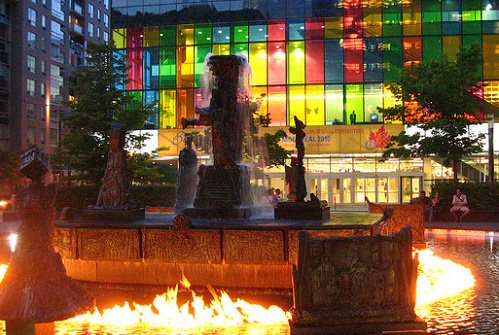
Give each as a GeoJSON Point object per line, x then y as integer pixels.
{"type": "Point", "coordinates": [296, 30]}
{"type": "Point", "coordinates": [373, 60]}
{"type": "Point", "coordinates": [333, 61]}
{"type": "Point", "coordinates": [221, 34]}
{"type": "Point", "coordinates": [152, 97]}
{"type": "Point", "coordinates": [151, 68]}
{"type": "Point", "coordinates": [119, 55]}
{"type": "Point", "coordinates": [258, 32]}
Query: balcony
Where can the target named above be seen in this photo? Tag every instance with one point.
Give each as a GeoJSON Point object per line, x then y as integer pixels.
{"type": "Point", "coordinates": [76, 8]}
{"type": "Point", "coordinates": [76, 28]}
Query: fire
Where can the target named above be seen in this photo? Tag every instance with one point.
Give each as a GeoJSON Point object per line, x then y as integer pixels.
{"type": "Point", "coordinates": [440, 278]}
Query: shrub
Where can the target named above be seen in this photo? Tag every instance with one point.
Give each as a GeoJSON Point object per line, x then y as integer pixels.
{"type": "Point", "coordinates": [480, 195]}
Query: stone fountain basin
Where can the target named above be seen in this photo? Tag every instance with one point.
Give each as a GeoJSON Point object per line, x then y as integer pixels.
{"type": "Point", "coordinates": [235, 253]}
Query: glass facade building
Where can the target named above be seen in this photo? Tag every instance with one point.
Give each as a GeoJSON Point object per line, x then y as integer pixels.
{"type": "Point", "coordinates": [318, 60]}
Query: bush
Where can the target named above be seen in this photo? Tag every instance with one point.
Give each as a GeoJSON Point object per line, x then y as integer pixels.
{"type": "Point", "coordinates": [480, 195]}
{"type": "Point", "coordinates": [80, 197]}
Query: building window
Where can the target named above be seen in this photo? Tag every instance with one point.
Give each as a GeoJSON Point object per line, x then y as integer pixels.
{"type": "Point", "coordinates": [98, 32]}
{"type": "Point", "coordinates": [44, 22]}
{"type": "Point", "coordinates": [106, 4]}
{"type": "Point", "coordinates": [54, 128]}
{"type": "Point", "coordinates": [42, 113]}
{"type": "Point", "coordinates": [56, 34]}
{"type": "Point", "coordinates": [30, 135]}
{"type": "Point", "coordinates": [90, 29]}
{"type": "Point", "coordinates": [31, 64]}
{"type": "Point", "coordinates": [106, 36]}
{"type": "Point", "coordinates": [42, 67]}
{"type": "Point", "coordinates": [33, 2]}
{"type": "Point", "coordinates": [30, 111]}
{"type": "Point", "coordinates": [56, 82]}
{"type": "Point", "coordinates": [57, 9]}
{"type": "Point", "coordinates": [106, 20]}
{"type": "Point", "coordinates": [42, 89]}
{"type": "Point", "coordinates": [43, 45]}
{"type": "Point", "coordinates": [43, 134]}
{"type": "Point", "coordinates": [98, 14]}
{"type": "Point", "coordinates": [31, 40]}
{"type": "Point", "coordinates": [90, 10]}
{"type": "Point", "coordinates": [32, 16]}
{"type": "Point", "coordinates": [30, 87]}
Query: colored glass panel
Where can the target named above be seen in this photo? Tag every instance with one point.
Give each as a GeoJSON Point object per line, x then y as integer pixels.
{"type": "Point", "coordinates": [258, 32]}
{"type": "Point", "coordinates": [200, 52]}
{"type": "Point", "coordinates": [314, 105]}
{"type": "Point", "coordinates": [490, 17]}
{"type": "Point", "coordinates": [119, 56]}
{"type": "Point", "coordinates": [352, 18]}
{"type": "Point", "coordinates": [389, 100]}
{"type": "Point", "coordinates": [353, 60]}
{"type": "Point", "coordinates": [373, 98]}
{"type": "Point", "coordinates": [185, 104]}
{"type": "Point", "coordinates": [260, 98]}
{"type": "Point", "coordinates": [295, 8]}
{"type": "Point", "coordinates": [333, 27]}
{"type": "Point", "coordinates": [333, 59]}
{"type": "Point", "coordinates": [276, 104]}
{"type": "Point", "coordinates": [471, 17]}
{"type": "Point", "coordinates": [314, 29]}
{"type": "Point", "coordinates": [432, 48]}
{"type": "Point", "coordinates": [221, 49]}
{"type": "Point", "coordinates": [314, 61]}
{"type": "Point", "coordinates": [413, 51]}
{"type": "Point", "coordinates": [432, 17]}
{"type": "Point", "coordinates": [296, 30]}
{"type": "Point", "coordinates": [411, 18]}
{"type": "Point", "coordinates": [221, 34]}
{"type": "Point", "coordinates": [392, 17]}
{"type": "Point", "coordinates": [151, 99]}
{"type": "Point", "coordinates": [134, 38]}
{"type": "Point", "coordinates": [296, 103]}
{"type": "Point", "coordinates": [392, 58]}
{"type": "Point", "coordinates": [334, 104]}
{"type": "Point", "coordinates": [151, 36]}
{"type": "Point", "coordinates": [119, 38]}
{"type": "Point", "coordinates": [240, 33]}
{"type": "Point", "coordinates": [202, 34]}
{"type": "Point", "coordinates": [451, 46]}
{"type": "Point", "coordinates": [491, 57]}
{"type": "Point", "coordinates": [276, 30]}
{"type": "Point", "coordinates": [354, 106]}
{"type": "Point", "coordinates": [136, 101]}
{"type": "Point", "coordinates": [239, 48]}
{"type": "Point", "coordinates": [151, 68]}
{"type": "Point", "coordinates": [373, 20]}
{"type": "Point", "coordinates": [491, 92]}
{"type": "Point", "coordinates": [167, 67]}
{"type": "Point", "coordinates": [185, 34]}
{"type": "Point", "coordinates": [296, 62]}
{"type": "Point", "coordinates": [258, 62]}
{"type": "Point", "coordinates": [167, 109]}
{"type": "Point", "coordinates": [168, 35]}
{"type": "Point", "coordinates": [277, 63]}
{"type": "Point", "coordinates": [134, 71]}
{"type": "Point", "coordinates": [373, 60]}
{"type": "Point", "coordinates": [185, 66]}
{"type": "Point", "coordinates": [451, 17]}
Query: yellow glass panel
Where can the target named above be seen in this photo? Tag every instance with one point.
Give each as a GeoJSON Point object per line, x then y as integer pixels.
{"type": "Point", "coordinates": [333, 27]}
{"type": "Point", "coordinates": [373, 20]}
{"type": "Point", "coordinates": [221, 49]}
{"type": "Point", "coordinates": [259, 94]}
{"type": "Point", "coordinates": [491, 56]}
{"type": "Point", "coordinates": [258, 62]}
{"type": "Point", "coordinates": [119, 38]}
{"type": "Point", "coordinates": [296, 103]}
{"type": "Point", "coordinates": [185, 66]}
{"type": "Point", "coordinates": [167, 109]}
{"type": "Point", "coordinates": [491, 92]}
{"type": "Point", "coordinates": [451, 45]}
{"type": "Point", "coordinates": [315, 105]}
{"type": "Point", "coordinates": [411, 18]}
{"type": "Point", "coordinates": [151, 36]}
{"type": "Point", "coordinates": [389, 100]}
{"type": "Point", "coordinates": [185, 34]}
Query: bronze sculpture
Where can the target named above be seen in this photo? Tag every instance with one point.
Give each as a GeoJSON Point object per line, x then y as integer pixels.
{"type": "Point", "coordinates": [298, 131]}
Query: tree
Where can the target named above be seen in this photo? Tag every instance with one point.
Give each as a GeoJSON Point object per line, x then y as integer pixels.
{"type": "Point", "coordinates": [9, 169]}
{"type": "Point", "coordinates": [440, 100]}
{"type": "Point", "coordinates": [99, 103]}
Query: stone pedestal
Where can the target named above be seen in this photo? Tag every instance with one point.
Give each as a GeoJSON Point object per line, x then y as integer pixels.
{"type": "Point", "coordinates": [112, 215]}
{"type": "Point", "coordinates": [27, 328]}
{"type": "Point", "coordinates": [302, 211]}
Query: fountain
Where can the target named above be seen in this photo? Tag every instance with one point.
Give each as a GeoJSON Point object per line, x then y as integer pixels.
{"type": "Point", "coordinates": [224, 187]}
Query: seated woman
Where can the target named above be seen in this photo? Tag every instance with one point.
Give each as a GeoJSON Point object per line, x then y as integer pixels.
{"type": "Point", "coordinates": [459, 206]}
{"type": "Point", "coordinates": [435, 206]}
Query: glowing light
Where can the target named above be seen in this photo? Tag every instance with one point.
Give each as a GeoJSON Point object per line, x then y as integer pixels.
{"type": "Point", "coordinates": [440, 278]}
{"type": "Point", "coordinates": [3, 203]}
{"type": "Point", "coordinates": [12, 242]}
{"type": "Point", "coordinates": [260, 29]}
{"type": "Point", "coordinates": [488, 7]}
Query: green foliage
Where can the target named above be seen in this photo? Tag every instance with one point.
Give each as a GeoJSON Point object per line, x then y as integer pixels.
{"type": "Point", "coordinates": [80, 197]}
{"type": "Point", "coordinates": [480, 195]}
{"type": "Point", "coordinates": [438, 98]}
{"type": "Point", "coordinates": [277, 154]}
{"type": "Point", "coordinates": [9, 167]}
{"type": "Point", "coordinates": [98, 105]}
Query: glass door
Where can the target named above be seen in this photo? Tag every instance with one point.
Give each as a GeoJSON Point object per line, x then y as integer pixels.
{"type": "Point", "coordinates": [410, 187]}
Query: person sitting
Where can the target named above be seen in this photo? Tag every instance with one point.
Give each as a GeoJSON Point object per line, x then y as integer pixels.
{"type": "Point", "coordinates": [435, 206]}
{"type": "Point", "coordinates": [424, 201]}
{"type": "Point", "coordinates": [459, 206]}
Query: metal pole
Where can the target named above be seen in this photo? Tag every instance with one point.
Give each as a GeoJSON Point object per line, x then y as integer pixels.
{"type": "Point", "coordinates": [491, 148]}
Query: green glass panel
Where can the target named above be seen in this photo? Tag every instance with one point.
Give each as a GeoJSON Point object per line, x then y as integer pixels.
{"type": "Point", "coordinates": [469, 40]}
{"type": "Point", "coordinates": [354, 103]}
{"type": "Point", "coordinates": [392, 58]}
{"type": "Point", "coordinates": [239, 48]}
{"type": "Point", "coordinates": [200, 53]}
{"type": "Point", "coordinates": [202, 34]}
{"type": "Point", "coordinates": [185, 34]}
{"type": "Point", "coordinates": [240, 33]}
{"type": "Point", "coordinates": [471, 17]}
{"type": "Point", "coordinates": [168, 35]}
{"type": "Point", "coordinates": [432, 17]}
{"type": "Point", "coordinates": [392, 18]}
{"type": "Point", "coordinates": [151, 36]}
{"type": "Point", "coordinates": [119, 38]}
{"type": "Point", "coordinates": [167, 109]}
{"type": "Point", "coordinates": [296, 62]}
{"type": "Point", "coordinates": [136, 101]}
{"type": "Point", "coordinates": [432, 48]}
{"type": "Point", "coordinates": [167, 67]}
{"type": "Point", "coordinates": [373, 98]}
{"type": "Point", "coordinates": [334, 104]}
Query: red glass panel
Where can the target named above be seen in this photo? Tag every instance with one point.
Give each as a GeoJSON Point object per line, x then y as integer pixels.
{"type": "Point", "coordinates": [134, 71]}
{"type": "Point", "coordinates": [134, 37]}
{"type": "Point", "coordinates": [277, 105]}
{"type": "Point", "coordinates": [277, 63]}
{"type": "Point", "coordinates": [314, 62]}
{"type": "Point", "coordinates": [314, 29]}
{"type": "Point", "coordinates": [276, 30]}
{"type": "Point", "coordinates": [353, 60]}
{"type": "Point", "coordinates": [352, 19]}
{"type": "Point", "coordinates": [413, 51]}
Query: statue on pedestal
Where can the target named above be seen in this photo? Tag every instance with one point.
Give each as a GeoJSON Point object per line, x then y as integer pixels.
{"type": "Point", "coordinates": [187, 178]}
{"type": "Point", "coordinates": [298, 131]}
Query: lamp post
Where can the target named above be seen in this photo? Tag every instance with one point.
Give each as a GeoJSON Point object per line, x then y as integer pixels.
{"type": "Point", "coordinates": [491, 148]}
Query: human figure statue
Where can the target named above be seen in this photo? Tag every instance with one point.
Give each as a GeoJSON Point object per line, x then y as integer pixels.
{"type": "Point", "coordinates": [35, 288]}
{"type": "Point", "coordinates": [353, 118]}
{"type": "Point", "coordinates": [115, 186]}
{"type": "Point", "coordinates": [298, 131]}
{"type": "Point", "coordinates": [187, 176]}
